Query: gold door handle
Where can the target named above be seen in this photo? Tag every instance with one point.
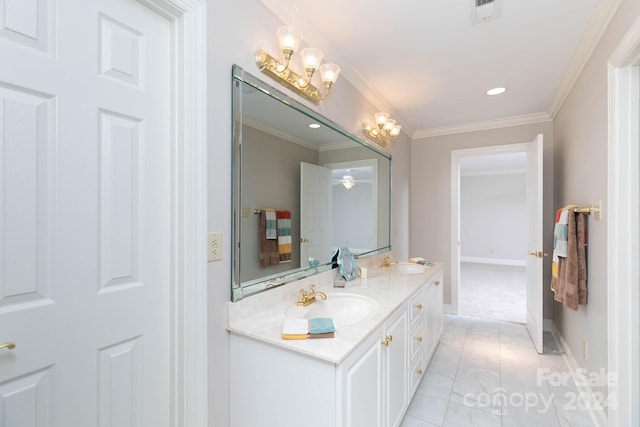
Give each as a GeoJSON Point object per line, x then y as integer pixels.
{"type": "Point", "coordinates": [389, 337]}
{"type": "Point", "coordinates": [539, 254]}
{"type": "Point", "coordinates": [419, 372]}
{"type": "Point", "coordinates": [419, 339]}
{"type": "Point", "coordinates": [437, 282]}
{"type": "Point", "coordinates": [419, 306]}
{"type": "Point", "coordinates": [7, 345]}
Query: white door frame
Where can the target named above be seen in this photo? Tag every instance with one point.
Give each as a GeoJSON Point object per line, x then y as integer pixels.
{"type": "Point", "coordinates": [189, 379]}
{"type": "Point", "coordinates": [456, 155]}
{"type": "Point", "coordinates": [623, 230]}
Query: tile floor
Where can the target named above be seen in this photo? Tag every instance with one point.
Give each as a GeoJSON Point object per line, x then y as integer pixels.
{"type": "Point", "coordinates": [493, 291]}
{"type": "Point", "coordinates": [486, 373]}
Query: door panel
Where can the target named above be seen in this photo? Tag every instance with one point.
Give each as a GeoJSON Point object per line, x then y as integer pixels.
{"type": "Point", "coordinates": [535, 242]}
{"type": "Point", "coordinates": [85, 229]}
{"type": "Point", "coordinates": [315, 213]}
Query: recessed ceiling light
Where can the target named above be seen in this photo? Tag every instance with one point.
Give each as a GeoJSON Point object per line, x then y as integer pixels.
{"type": "Point", "coordinates": [496, 91]}
{"type": "Point", "coordinates": [314, 125]}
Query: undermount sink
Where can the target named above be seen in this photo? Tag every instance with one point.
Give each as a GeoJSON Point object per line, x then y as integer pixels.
{"type": "Point", "coordinates": [344, 308]}
{"type": "Point", "coordinates": [408, 268]}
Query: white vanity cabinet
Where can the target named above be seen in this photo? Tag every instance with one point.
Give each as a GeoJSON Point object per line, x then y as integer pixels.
{"type": "Point", "coordinates": [285, 384]}
{"type": "Point", "coordinates": [373, 380]}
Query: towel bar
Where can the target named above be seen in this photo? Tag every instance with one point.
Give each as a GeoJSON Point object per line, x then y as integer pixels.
{"type": "Point", "coordinates": [593, 209]}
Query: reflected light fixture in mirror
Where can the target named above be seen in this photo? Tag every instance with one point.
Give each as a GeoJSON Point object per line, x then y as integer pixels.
{"type": "Point", "coordinates": [384, 132]}
{"type": "Point", "coordinates": [347, 180]}
{"type": "Point", "coordinates": [289, 38]}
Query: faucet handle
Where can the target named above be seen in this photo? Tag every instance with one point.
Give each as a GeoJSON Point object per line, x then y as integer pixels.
{"type": "Point", "coordinates": [312, 289]}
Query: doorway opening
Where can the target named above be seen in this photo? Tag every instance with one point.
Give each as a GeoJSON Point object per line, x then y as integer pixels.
{"type": "Point", "coordinates": [493, 236]}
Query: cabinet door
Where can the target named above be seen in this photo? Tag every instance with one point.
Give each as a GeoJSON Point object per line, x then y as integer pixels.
{"type": "Point", "coordinates": [396, 360]}
{"type": "Point", "coordinates": [361, 402]}
{"type": "Point", "coordinates": [438, 308]}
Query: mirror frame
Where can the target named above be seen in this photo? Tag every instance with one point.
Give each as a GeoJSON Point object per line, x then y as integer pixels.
{"type": "Point", "coordinates": [238, 292]}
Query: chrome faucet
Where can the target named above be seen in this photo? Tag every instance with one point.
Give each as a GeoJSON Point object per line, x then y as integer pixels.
{"type": "Point", "coordinates": [387, 261]}
{"type": "Point", "coordinates": [307, 297]}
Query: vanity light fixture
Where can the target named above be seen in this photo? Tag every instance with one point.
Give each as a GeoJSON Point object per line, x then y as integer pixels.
{"type": "Point", "coordinates": [289, 38]}
{"type": "Point", "coordinates": [384, 132]}
{"type": "Point", "coordinates": [348, 181]}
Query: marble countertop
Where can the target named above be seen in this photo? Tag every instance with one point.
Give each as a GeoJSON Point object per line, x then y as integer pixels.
{"type": "Point", "coordinates": [261, 316]}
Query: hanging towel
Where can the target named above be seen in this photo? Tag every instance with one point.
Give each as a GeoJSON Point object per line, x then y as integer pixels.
{"type": "Point", "coordinates": [570, 287]}
{"type": "Point", "coordinates": [560, 236]}
{"type": "Point", "coordinates": [284, 235]}
{"type": "Point", "coordinates": [271, 224]}
{"type": "Point", "coordinates": [268, 248]}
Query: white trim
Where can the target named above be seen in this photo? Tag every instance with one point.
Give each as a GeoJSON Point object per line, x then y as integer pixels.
{"type": "Point", "coordinates": [456, 155]}
{"type": "Point", "coordinates": [623, 229]}
{"type": "Point", "coordinates": [604, 12]}
{"type": "Point", "coordinates": [189, 401]}
{"type": "Point", "coordinates": [504, 122]}
{"type": "Point", "coordinates": [494, 261]}
{"type": "Point", "coordinates": [494, 172]}
{"type": "Point", "coordinates": [596, 411]}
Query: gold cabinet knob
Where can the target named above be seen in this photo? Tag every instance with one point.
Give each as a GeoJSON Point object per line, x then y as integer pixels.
{"type": "Point", "coordinates": [7, 345]}
{"type": "Point", "coordinates": [387, 340]}
{"type": "Point", "coordinates": [419, 339]}
{"type": "Point", "coordinates": [437, 282]}
{"type": "Point", "coordinates": [419, 372]}
{"type": "Point", "coordinates": [419, 306]}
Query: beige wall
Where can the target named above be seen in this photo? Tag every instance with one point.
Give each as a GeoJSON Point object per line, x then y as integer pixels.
{"type": "Point", "coordinates": [431, 192]}
{"type": "Point", "coordinates": [581, 129]}
{"type": "Point", "coordinates": [235, 30]}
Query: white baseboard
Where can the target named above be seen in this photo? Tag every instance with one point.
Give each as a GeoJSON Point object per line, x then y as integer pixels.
{"type": "Point", "coordinates": [496, 261]}
{"type": "Point", "coordinates": [596, 411]}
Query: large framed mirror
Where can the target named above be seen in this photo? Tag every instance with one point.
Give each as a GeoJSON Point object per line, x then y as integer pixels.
{"type": "Point", "coordinates": [302, 188]}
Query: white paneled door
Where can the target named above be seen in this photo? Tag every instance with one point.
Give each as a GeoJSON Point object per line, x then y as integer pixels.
{"type": "Point", "coordinates": [536, 253]}
{"type": "Point", "coordinates": [85, 221]}
{"type": "Point", "coordinates": [315, 213]}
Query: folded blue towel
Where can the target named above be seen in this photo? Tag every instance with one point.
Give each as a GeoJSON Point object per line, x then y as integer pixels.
{"type": "Point", "coordinates": [271, 224]}
{"type": "Point", "coordinates": [321, 325]}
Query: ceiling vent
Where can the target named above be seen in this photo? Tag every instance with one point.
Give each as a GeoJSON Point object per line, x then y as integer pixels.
{"type": "Point", "coordinates": [484, 10]}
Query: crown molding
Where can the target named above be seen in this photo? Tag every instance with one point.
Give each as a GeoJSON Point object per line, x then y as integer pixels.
{"type": "Point", "coordinates": [261, 126]}
{"type": "Point", "coordinates": [290, 14]}
{"type": "Point", "coordinates": [602, 15]}
{"type": "Point", "coordinates": [504, 122]}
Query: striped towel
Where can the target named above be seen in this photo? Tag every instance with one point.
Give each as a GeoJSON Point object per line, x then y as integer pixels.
{"type": "Point", "coordinates": [284, 235]}
{"type": "Point", "coordinates": [560, 239]}
{"type": "Point", "coordinates": [271, 224]}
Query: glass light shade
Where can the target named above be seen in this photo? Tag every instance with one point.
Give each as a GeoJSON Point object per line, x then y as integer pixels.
{"type": "Point", "coordinates": [329, 73]}
{"type": "Point", "coordinates": [388, 125]}
{"type": "Point", "coordinates": [381, 118]}
{"type": "Point", "coordinates": [395, 131]}
{"type": "Point", "coordinates": [348, 182]}
{"type": "Point", "coordinates": [311, 58]}
{"type": "Point", "coordinates": [289, 38]}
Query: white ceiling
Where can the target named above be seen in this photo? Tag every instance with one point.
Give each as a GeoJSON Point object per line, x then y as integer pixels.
{"type": "Point", "coordinates": [430, 66]}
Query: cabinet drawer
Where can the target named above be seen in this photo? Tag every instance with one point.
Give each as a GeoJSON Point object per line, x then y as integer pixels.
{"type": "Point", "coordinates": [417, 341]}
{"type": "Point", "coordinates": [416, 307]}
{"type": "Point", "coordinates": [415, 375]}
